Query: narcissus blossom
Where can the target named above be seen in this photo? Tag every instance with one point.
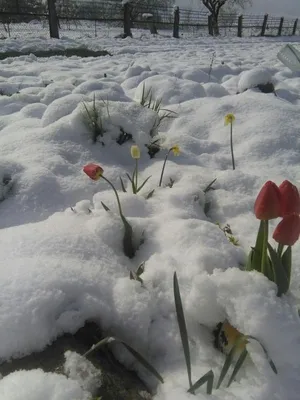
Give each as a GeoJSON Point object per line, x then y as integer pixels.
{"type": "Point", "coordinates": [176, 150]}
{"type": "Point", "coordinates": [290, 199]}
{"type": "Point", "coordinates": [268, 202]}
{"type": "Point", "coordinates": [288, 230]}
{"type": "Point", "coordinates": [93, 171]}
{"type": "Point", "coordinates": [229, 119]}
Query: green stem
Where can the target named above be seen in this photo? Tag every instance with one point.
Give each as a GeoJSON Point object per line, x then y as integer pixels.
{"type": "Point", "coordinates": [264, 256]}
{"type": "Point", "coordinates": [280, 249]}
{"type": "Point", "coordinates": [136, 174]}
{"type": "Point", "coordinates": [231, 146]}
{"type": "Point", "coordinates": [117, 196]}
{"type": "Point", "coordinates": [163, 168]}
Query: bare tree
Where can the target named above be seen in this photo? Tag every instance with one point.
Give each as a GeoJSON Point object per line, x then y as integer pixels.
{"type": "Point", "coordinates": [215, 6]}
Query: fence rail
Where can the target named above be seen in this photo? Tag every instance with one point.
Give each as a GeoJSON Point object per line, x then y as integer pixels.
{"type": "Point", "coordinates": [90, 16]}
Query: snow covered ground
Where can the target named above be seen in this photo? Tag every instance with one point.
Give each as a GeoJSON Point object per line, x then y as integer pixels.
{"type": "Point", "coordinates": [59, 268]}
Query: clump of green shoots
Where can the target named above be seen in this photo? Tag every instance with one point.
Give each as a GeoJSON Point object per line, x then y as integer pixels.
{"type": "Point", "coordinates": [148, 101]}
{"type": "Point", "coordinates": [93, 116]}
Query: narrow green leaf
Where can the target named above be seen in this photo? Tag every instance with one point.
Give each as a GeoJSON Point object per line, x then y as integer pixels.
{"type": "Point", "coordinates": [238, 366]}
{"type": "Point", "coordinates": [128, 247]}
{"type": "Point", "coordinates": [143, 184]}
{"type": "Point", "coordinates": [286, 260]}
{"type": "Point", "coordinates": [150, 194]}
{"type": "Point", "coordinates": [129, 177]}
{"type": "Point", "coordinates": [258, 249]}
{"type": "Point", "coordinates": [141, 269]}
{"type": "Point", "coordinates": [270, 361]}
{"type": "Point", "coordinates": [207, 378]}
{"type": "Point", "coordinates": [122, 185]}
{"type": "Point", "coordinates": [281, 278]}
{"type": "Point", "coordinates": [100, 344]}
{"type": "Point", "coordinates": [229, 360]}
{"type": "Point", "coordinates": [143, 361]}
{"type": "Point", "coordinates": [105, 206]}
{"type": "Point", "coordinates": [137, 355]}
{"type": "Point", "coordinates": [209, 187]}
{"type": "Point", "coordinates": [182, 328]}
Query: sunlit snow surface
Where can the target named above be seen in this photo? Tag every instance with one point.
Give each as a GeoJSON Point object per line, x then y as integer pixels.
{"type": "Point", "coordinates": [59, 268]}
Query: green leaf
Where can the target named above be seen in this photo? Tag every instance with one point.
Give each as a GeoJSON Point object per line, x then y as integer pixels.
{"type": "Point", "coordinates": [182, 328]}
{"type": "Point", "coordinates": [137, 355]}
{"type": "Point", "coordinates": [238, 366]}
{"type": "Point", "coordinates": [258, 249]}
{"type": "Point", "coordinates": [229, 360]}
{"type": "Point", "coordinates": [105, 206]}
{"type": "Point", "coordinates": [270, 361]}
{"type": "Point", "coordinates": [128, 247]}
{"type": "Point", "coordinates": [143, 184]}
{"type": "Point", "coordinates": [150, 194]}
{"type": "Point", "coordinates": [122, 185]}
{"type": "Point", "coordinates": [286, 260]}
{"type": "Point", "coordinates": [209, 187]}
{"type": "Point", "coordinates": [281, 278]}
{"type": "Point", "coordinates": [141, 269]}
{"type": "Point", "coordinates": [132, 182]}
{"type": "Point", "coordinates": [207, 378]}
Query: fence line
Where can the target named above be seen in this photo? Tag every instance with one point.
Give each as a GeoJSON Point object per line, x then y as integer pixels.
{"type": "Point", "coordinates": [72, 13]}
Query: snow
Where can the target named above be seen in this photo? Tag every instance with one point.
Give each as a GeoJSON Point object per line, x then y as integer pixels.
{"type": "Point", "coordinates": [61, 267]}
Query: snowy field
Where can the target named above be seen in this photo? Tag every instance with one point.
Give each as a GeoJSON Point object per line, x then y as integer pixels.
{"type": "Point", "coordinates": [59, 268]}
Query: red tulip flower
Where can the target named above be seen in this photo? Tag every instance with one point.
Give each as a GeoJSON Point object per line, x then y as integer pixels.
{"type": "Point", "coordinates": [93, 171]}
{"type": "Point", "coordinates": [288, 230]}
{"type": "Point", "coordinates": [268, 202]}
{"type": "Point", "coordinates": [290, 199]}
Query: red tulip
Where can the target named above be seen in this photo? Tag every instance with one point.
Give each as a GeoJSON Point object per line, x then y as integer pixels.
{"type": "Point", "coordinates": [288, 230]}
{"type": "Point", "coordinates": [290, 199]}
{"type": "Point", "coordinates": [268, 202]}
{"type": "Point", "coordinates": [93, 171]}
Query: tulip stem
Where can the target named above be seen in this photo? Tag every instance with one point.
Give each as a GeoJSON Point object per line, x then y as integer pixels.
{"type": "Point", "coordinates": [264, 256]}
{"type": "Point", "coordinates": [231, 146]}
{"type": "Point", "coordinates": [117, 196]}
{"type": "Point", "coordinates": [280, 249]}
{"type": "Point", "coordinates": [163, 168]}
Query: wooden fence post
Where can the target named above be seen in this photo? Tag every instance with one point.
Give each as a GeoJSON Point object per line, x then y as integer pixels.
{"type": "Point", "coordinates": [295, 27]}
{"type": "Point", "coordinates": [127, 21]}
{"type": "Point", "coordinates": [176, 22]}
{"type": "Point", "coordinates": [280, 27]}
{"type": "Point", "coordinates": [53, 20]}
{"type": "Point", "coordinates": [240, 26]}
{"type": "Point", "coordinates": [210, 26]}
{"type": "Point", "coordinates": [264, 25]}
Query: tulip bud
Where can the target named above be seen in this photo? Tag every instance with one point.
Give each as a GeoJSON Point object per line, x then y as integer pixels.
{"type": "Point", "coordinates": [290, 199]}
{"type": "Point", "coordinates": [288, 230]}
{"type": "Point", "coordinates": [135, 152]}
{"type": "Point", "coordinates": [93, 171]}
{"type": "Point", "coordinates": [268, 202]}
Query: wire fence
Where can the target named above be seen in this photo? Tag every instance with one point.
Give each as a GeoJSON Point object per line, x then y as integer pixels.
{"type": "Point", "coordinates": [91, 18]}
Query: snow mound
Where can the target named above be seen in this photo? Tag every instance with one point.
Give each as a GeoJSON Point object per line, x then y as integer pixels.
{"type": "Point", "coordinates": [37, 384]}
{"type": "Point", "coordinates": [170, 90]}
{"type": "Point", "coordinates": [215, 90]}
{"type": "Point", "coordinates": [78, 368]}
{"type": "Point", "coordinates": [254, 77]}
